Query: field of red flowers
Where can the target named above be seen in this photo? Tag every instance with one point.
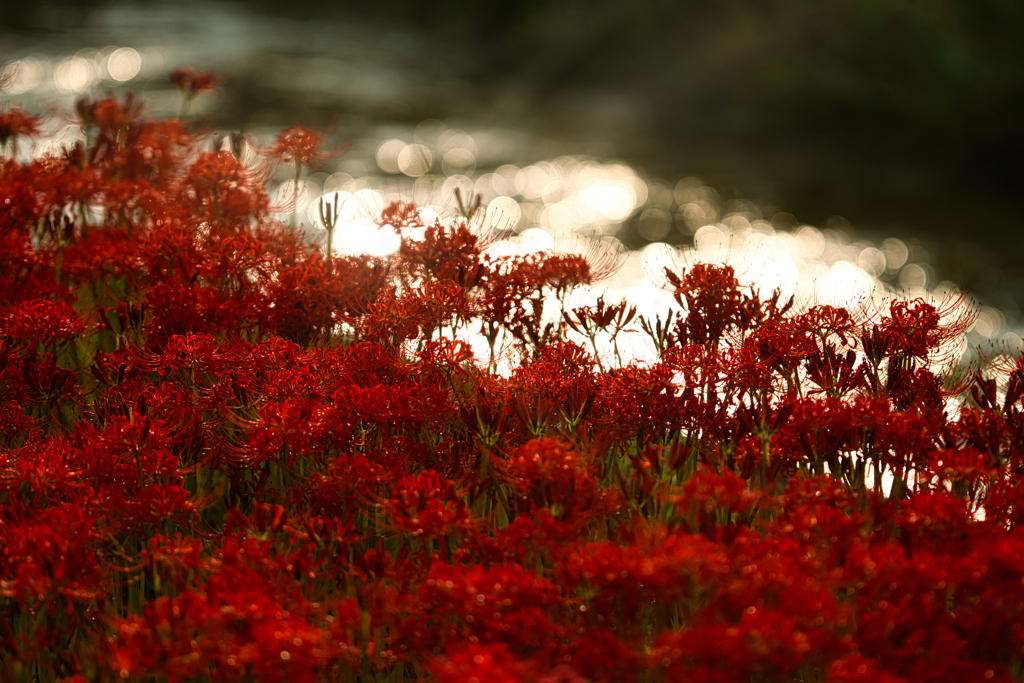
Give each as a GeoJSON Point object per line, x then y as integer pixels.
{"type": "Point", "coordinates": [225, 456]}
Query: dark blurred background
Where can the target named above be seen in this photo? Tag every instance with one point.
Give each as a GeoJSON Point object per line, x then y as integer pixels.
{"type": "Point", "coordinates": [904, 117]}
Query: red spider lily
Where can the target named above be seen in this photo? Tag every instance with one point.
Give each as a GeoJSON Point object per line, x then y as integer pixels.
{"type": "Point", "coordinates": [153, 155]}
{"type": "Point", "coordinates": [174, 561]}
{"type": "Point", "coordinates": [427, 506]}
{"type": "Point", "coordinates": [435, 305]}
{"type": "Point", "coordinates": [190, 82]}
{"type": "Point", "coordinates": [444, 352]}
{"type": "Point", "coordinates": [515, 289]}
{"type": "Point", "coordinates": [545, 473]}
{"type": "Point", "coordinates": [52, 564]}
{"type": "Point", "coordinates": [598, 655]}
{"type": "Point", "coordinates": [300, 146]}
{"type": "Point", "coordinates": [41, 322]}
{"type": "Point", "coordinates": [222, 189]}
{"type": "Point", "coordinates": [112, 118]}
{"type": "Point", "coordinates": [289, 430]}
{"type": "Point", "coordinates": [401, 216]}
{"type": "Point", "coordinates": [494, 662]}
{"type": "Point", "coordinates": [918, 328]}
{"type": "Point", "coordinates": [222, 460]}
{"type": "Point", "coordinates": [234, 625]}
{"type": "Point", "coordinates": [601, 316]}
{"type": "Point", "coordinates": [854, 668]}
{"type": "Point", "coordinates": [589, 320]}
{"type": "Point", "coordinates": [624, 580]}
{"type": "Point", "coordinates": [351, 483]}
{"type": "Point", "coordinates": [500, 604]}
{"type": "Point", "coordinates": [713, 301]}
{"type": "Point", "coordinates": [446, 252]}
{"type": "Point", "coordinates": [16, 122]}
{"type": "Point", "coordinates": [306, 300]}
{"type": "Point", "coordinates": [633, 401]}
{"type": "Point", "coordinates": [717, 505]}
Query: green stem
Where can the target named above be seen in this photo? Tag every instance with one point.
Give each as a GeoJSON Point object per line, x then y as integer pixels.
{"type": "Point", "coordinates": [330, 261]}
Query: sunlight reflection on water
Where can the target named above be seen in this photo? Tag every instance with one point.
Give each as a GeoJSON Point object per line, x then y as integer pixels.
{"type": "Point", "coordinates": [40, 75]}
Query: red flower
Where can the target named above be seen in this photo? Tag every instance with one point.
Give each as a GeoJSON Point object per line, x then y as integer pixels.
{"type": "Point", "coordinates": [428, 505]}
{"type": "Point", "coordinates": [190, 82]}
{"type": "Point", "coordinates": [220, 188]}
{"type": "Point", "coordinates": [16, 122]}
{"type": "Point", "coordinates": [478, 663]}
{"type": "Point", "coordinates": [546, 473]}
{"type": "Point", "coordinates": [239, 624]}
{"type": "Point", "coordinates": [714, 303]}
{"type": "Point", "coordinates": [41, 322]}
{"type": "Point", "coordinates": [299, 145]}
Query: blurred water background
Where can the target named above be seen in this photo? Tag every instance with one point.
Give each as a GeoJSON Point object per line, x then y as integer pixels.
{"type": "Point", "coordinates": [837, 148]}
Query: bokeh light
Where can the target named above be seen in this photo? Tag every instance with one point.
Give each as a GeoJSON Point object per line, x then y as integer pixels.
{"type": "Point", "coordinates": [124, 64]}
{"type": "Point", "coordinates": [75, 74]}
{"type": "Point", "coordinates": [414, 160]}
{"type": "Point", "coordinates": [25, 75]}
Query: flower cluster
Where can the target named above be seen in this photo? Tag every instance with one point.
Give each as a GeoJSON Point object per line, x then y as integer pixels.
{"type": "Point", "coordinates": [228, 456]}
